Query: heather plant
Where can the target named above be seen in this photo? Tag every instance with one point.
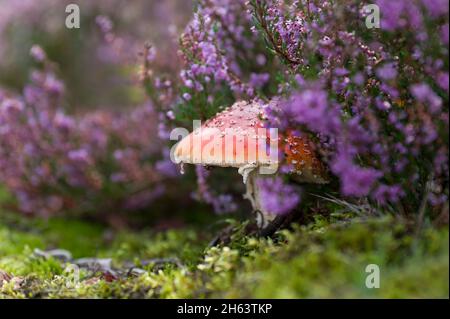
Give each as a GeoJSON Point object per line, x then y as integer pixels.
{"type": "Point", "coordinates": [374, 100]}
{"type": "Point", "coordinates": [97, 61]}
{"type": "Point", "coordinates": [223, 59]}
{"type": "Point", "coordinates": [98, 163]}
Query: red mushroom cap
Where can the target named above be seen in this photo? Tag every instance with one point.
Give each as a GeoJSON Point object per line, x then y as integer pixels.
{"type": "Point", "coordinates": [233, 138]}
{"type": "Point", "coordinates": [237, 137]}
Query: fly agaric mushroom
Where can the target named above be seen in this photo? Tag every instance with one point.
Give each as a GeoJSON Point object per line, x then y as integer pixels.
{"type": "Point", "coordinates": [237, 138]}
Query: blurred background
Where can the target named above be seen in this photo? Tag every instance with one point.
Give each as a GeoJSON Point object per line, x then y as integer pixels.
{"type": "Point", "coordinates": [99, 73]}
{"type": "Point", "coordinates": [104, 105]}
{"type": "Point", "coordinates": [100, 146]}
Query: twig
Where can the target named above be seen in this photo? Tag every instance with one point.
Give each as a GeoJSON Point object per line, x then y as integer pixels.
{"type": "Point", "coordinates": [260, 17]}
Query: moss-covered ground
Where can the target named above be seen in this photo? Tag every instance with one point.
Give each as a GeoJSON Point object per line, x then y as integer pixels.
{"type": "Point", "coordinates": [325, 259]}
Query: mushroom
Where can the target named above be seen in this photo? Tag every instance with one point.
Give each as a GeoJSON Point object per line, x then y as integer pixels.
{"type": "Point", "coordinates": [238, 138]}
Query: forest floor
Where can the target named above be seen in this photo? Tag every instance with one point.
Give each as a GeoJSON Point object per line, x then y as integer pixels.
{"type": "Point", "coordinates": [324, 259]}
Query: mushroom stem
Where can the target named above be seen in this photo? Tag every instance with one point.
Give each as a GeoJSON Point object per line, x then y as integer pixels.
{"type": "Point", "coordinates": [252, 191]}
{"type": "Point", "coordinates": [263, 218]}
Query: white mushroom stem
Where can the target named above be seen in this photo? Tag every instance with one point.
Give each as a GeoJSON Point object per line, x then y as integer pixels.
{"type": "Point", "coordinates": [250, 176]}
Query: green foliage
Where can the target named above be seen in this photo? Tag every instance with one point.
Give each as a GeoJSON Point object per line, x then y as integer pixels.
{"type": "Point", "coordinates": [322, 259]}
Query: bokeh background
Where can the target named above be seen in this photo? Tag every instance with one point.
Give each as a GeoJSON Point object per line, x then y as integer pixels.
{"type": "Point", "coordinates": [86, 177]}
{"type": "Point", "coordinates": [92, 69]}
{"type": "Point", "coordinates": [102, 99]}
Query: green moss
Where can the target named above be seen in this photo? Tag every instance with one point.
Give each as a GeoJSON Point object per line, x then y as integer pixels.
{"type": "Point", "coordinates": [332, 263]}
{"type": "Point", "coordinates": [184, 245]}
{"type": "Point", "coordinates": [321, 260]}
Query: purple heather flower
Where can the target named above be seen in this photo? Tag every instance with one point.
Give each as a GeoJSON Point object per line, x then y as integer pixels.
{"type": "Point", "coordinates": [398, 14]}
{"type": "Point", "coordinates": [53, 85]}
{"type": "Point", "coordinates": [170, 115]}
{"type": "Point", "coordinates": [277, 197]}
{"type": "Point", "coordinates": [105, 24]}
{"type": "Point", "coordinates": [423, 93]}
{"type": "Point", "coordinates": [385, 194]}
{"type": "Point", "coordinates": [187, 96]}
{"type": "Point", "coordinates": [443, 81]}
{"type": "Point", "coordinates": [311, 108]}
{"type": "Point", "coordinates": [165, 166]}
{"type": "Point", "coordinates": [259, 80]}
{"type": "Point", "coordinates": [436, 7]}
{"type": "Point", "coordinates": [223, 204]}
{"type": "Point", "coordinates": [341, 72]}
{"type": "Point", "coordinates": [11, 106]}
{"type": "Point", "coordinates": [38, 53]}
{"type": "Point", "coordinates": [80, 155]}
{"type": "Point", "coordinates": [355, 180]}
{"type": "Point", "coordinates": [387, 71]}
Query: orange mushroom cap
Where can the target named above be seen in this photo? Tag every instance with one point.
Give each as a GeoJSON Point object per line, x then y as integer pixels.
{"type": "Point", "coordinates": [300, 154]}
